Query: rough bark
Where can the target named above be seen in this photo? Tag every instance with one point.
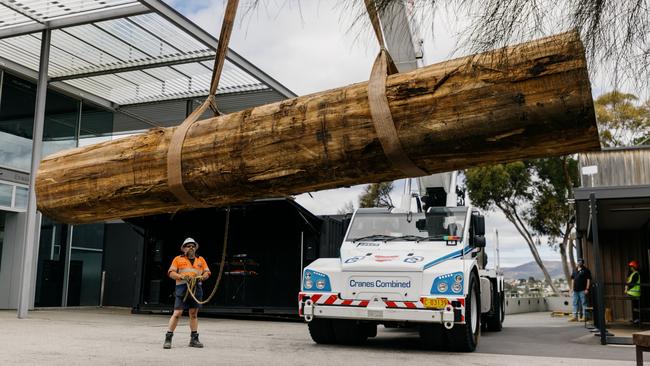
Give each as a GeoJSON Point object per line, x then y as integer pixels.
{"type": "Point", "coordinates": [527, 101]}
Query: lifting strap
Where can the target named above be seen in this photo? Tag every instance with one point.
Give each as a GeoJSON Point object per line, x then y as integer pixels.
{"type": "Point", "coordinates": [175, 150]}
{"type": "Point", "coordinates": [382, 118]}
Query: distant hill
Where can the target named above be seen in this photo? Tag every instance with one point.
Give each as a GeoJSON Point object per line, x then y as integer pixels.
{"type": "Point", "coordinates": [531, 269]}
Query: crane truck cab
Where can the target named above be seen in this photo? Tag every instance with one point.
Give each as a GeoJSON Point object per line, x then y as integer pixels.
{"type": "Point", "coordinates": [405, 269]}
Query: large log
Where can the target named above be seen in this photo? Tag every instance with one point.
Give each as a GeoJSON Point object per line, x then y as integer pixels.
{"type": "Point", "coordinates": [527, 101]}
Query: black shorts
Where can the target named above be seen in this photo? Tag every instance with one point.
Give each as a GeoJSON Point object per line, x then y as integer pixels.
{"type": "Point", "coordinates": [189, 303]}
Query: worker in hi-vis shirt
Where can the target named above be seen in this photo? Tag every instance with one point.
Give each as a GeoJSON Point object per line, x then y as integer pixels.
{"type": "Point", "coordinates": [185, 268]}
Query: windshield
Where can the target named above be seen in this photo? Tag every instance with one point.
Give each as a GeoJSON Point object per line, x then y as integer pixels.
{"type": "Point", "coordinates": [439, 223]}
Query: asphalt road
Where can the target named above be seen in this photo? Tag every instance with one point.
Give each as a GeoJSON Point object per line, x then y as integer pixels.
{"type": "Point", "coordinates": [116, 337]}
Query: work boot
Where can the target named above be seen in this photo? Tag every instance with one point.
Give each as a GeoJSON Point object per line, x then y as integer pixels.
{"type": "Point", "coordinates": [573, 319]}
{"type": "Point", "coordinates": [168, 340]}
{"type": "Point", "coordinates": [194, 340]}
{"type": "Point", "coordinates": [581, 319]}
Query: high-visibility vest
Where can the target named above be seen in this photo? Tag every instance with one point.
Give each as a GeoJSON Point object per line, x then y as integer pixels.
{"type": "Point", "coordinates": [635, 290]}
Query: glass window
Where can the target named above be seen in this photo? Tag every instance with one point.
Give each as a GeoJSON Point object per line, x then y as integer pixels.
{"type": "Point", "coordinates": [17, 107]}
{"type": "Point", "coordinates": [89, 236]}
{"type": "Point", "coordinates": [86, 265]}
{"type": "Point", "coordinates": [96, 125]}
{"type": "Point", "coordinates": [6, 191]}
{"type": "Point", "coordinates": [21, 197]}
{"type": "Point", "coordinates": [51, 263]}
{"type": "Point", "coordinates": [85, 278]}
{"type": "Point", "coordinates": [16, 122]}
{"type": "Point", "coordinates": [61, 118]}
{"type": "Point", "coordinates": [436, 224]}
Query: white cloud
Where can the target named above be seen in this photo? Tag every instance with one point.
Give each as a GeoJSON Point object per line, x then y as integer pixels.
{"type": "Point", "coordinates": [328, 202]}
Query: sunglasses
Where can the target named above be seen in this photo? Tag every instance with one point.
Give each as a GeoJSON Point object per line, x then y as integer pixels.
{"type": "Point", "coordinates": [189, 246]}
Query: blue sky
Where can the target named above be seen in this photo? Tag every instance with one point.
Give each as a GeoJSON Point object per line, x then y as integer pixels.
{"type": "Point", "coordinates": [308, 46]}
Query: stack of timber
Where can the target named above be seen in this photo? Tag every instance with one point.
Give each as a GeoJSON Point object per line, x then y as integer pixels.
{"type": "Point", "coordinates": [526, 101]}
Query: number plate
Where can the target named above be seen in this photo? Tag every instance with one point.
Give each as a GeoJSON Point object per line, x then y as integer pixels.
{"type": "Point", "coordinates": [375, 314]}
{"type": "Point", "coordinates": [438, 303]}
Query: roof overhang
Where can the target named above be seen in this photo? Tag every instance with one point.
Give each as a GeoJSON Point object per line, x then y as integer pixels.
{"type": "Point", "coordinates": [618, 208]}
{"type": "Point", "coordinates": [121, 52]}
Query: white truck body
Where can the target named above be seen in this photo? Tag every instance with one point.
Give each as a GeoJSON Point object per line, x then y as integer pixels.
{"type": "Point", "coordinates": [404, 269]}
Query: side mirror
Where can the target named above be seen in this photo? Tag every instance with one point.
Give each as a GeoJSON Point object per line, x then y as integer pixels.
{"type": "Point", "coordinates": [478, 222]}
{"type": "Point", "coordinates": [421, 224]}
{"type": "Point", "coordinates": [479, 241]}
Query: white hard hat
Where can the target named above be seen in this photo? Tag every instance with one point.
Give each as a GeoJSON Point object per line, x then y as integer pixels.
{"type": "Point", "coordinates": [190, 240]}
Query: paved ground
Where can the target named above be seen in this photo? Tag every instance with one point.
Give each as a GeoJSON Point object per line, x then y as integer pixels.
{"type": "Point", "coordinates": [115, 337]}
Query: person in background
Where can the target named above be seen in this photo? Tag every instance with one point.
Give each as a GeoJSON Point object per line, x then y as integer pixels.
{"type": "Point", "coordinates": [633, 287]}
{"type": "Point", "coordinates": [580, 284]}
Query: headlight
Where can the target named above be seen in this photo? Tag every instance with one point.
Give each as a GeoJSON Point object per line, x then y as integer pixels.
{"type": "Point", "coordinates": [316, 281]}
{"type": "Point", "coordinates": [458, 278]}
{"type": "Point", "coordinates": [320, 284]}
{"type": "Point", "coordinates": [456, 287]}
{"type": "Point", "coordinates": [442, 287]}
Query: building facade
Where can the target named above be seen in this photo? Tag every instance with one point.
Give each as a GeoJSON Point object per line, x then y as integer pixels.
{"type": "Point", "coordinates": [112, 69]}
{"type": "Point", "coordinates": [613, 226]}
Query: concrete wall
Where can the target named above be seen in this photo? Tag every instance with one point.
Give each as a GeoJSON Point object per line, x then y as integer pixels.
{"type": "Point", "coordinates": [516, 305]}
{"type": "Point", "coordinates": [562, 303]}
{"type": "Point", "coordinates": [12, 260]}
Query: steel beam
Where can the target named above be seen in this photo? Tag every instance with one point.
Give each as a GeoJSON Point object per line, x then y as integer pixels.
{"type": "Point", "coordinates": [31, 235]}
{"type": "Point", "coordinates": [598, 268]}
{"type": "Point", "coordinates": [61, 87]}
{"type": "Point", "coordinates": [204, 37]}
{"type": "Point", "coordinates": [399, 36]}
{"type": "Point", "coordinates": [73, 20]}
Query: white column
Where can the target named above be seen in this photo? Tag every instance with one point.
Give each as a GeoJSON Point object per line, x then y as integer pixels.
{"type": "Point", "coordinates": [31, 232]}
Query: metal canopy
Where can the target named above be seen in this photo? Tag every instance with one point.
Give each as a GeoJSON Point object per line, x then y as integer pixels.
{"type": "Point", "coordinates": [121, 52]}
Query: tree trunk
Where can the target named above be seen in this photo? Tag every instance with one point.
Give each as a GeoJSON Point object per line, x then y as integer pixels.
{"type": "Point", "coordinates": [527, 101]}
{"type": "Point", "coordinates": [565, 262]}
{"type": "Point", "coordinates": [571, 256]}
{"type": "Point", "coordinates": [512, 216]}
{"type": "Point", "coordinates": [563, 252]}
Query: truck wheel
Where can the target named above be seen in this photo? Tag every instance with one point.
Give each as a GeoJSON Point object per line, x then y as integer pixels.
{"type": "Point", "coordinates": [494, 322]}
{"type": "Point", "coordinates": [464, 337]}
{"type": "Point", "coordinates": [369, 329]}
{"type": "Point", "coordinates": [432, 337]}
{"type": "Point", "coordinates": [349, 332]}
{"type": "Point", "coordinates": [321, 331]}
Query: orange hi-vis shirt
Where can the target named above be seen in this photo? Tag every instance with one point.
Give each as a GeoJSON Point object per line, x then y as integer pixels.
{"type": "Point", "coordinates": [182, 265]}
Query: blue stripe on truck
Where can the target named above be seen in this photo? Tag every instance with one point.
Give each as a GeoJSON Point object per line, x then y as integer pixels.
{"type": "Point", "coordinates": [452, 255]}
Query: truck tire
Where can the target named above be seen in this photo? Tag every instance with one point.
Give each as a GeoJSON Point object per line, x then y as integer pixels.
{"type": "Point", "coordinates": [465, 337]}
{"type": "Point", "coordinates": [432, 337]}
{"type": "Point", "coordinates": [494, 322]}
{"type": "Point", "coordinates": [349, 332]}
{"type": "Point", "coordinates": [369, 329]}
{"type": "Point", "coordinates": [321, 331]}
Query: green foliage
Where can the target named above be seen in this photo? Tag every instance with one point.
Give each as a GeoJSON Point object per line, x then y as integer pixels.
{"type": "Point", "coordinates": [535, 191]}
{"type": "Point", "coordinates": [622, 120]}
{"type": "Point", "coordinates": [502, 185]}
{"type": "Point", "coordinates": [551, 211]}
{"type": "Point", "coordinates": [377, 195]}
